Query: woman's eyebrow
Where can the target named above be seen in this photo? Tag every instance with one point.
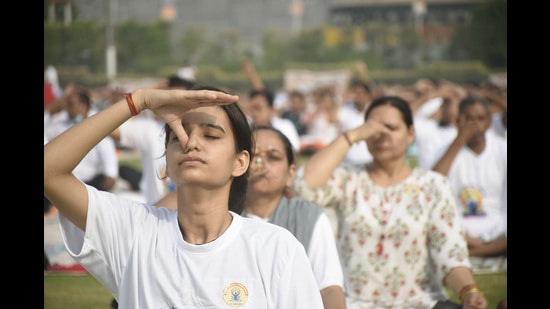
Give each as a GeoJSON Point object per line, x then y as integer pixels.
{"type": "Point", "coordinates": [207, 125]}
{"type": "Point", "coordinates": [213, 126]}
{"type": "Point", "coordinates": [270, 150]}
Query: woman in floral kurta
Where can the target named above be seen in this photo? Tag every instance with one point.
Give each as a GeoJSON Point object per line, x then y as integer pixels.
{"type": "Point", "coordinates": [398, 232]}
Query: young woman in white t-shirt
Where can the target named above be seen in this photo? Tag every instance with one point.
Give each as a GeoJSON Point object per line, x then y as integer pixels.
{"type": "Point", "coordinates": [202, 255]}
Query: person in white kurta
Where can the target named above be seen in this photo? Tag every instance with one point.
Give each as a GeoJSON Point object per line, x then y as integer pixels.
{"type": "Point", "coordinates": [476, 164]}
{"type": "Point", "coordinates": [432, 135]}
{"type": "Point", "coordinates": [202, 255]}
{"type": "Point", "coordinates": [261, 113]}
{"type": "Point", "coordinates": [101, 162]}
{"type": "Point", "coordinates": [379, 226]}
{"type": "Point", "coordinates": [480, 182]}
{"type": "Point", "coordinates": [399, 235]}
{"type": "Point", "coordinates": [430, 138]}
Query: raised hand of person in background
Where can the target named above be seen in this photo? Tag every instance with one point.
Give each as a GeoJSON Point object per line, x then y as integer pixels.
{"type": "Point", "coordinates": [362, 70]}
{"type": "Point", "coordinates": [250, 72]}
{"type": "Point", "coordinates": [468, 129]}
{"type": "Point", "coordinates": [372, 128]}
{"type": "Point", "coordinates": [60, 104]}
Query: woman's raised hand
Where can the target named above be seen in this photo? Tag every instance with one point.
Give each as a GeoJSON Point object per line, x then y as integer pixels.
{"type": "Point", "coordinates": [170, 105]}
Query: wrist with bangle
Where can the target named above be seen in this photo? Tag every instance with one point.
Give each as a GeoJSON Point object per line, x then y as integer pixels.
{"type": "Point", "coordinates": [128, 96]}
{"type": "Point", "coordinates": [131, 105]}
{"type": "Point", "coordinates": [466, 290]}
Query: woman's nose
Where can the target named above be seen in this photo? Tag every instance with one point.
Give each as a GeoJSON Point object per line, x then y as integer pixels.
{"type": "Point", "coordinates": [192, 143]}
{"type": "Point", "coordinates": [259, 160]}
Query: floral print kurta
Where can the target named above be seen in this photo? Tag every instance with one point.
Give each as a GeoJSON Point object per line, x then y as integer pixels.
{"type": "Point", "coordinates": [396, 243]}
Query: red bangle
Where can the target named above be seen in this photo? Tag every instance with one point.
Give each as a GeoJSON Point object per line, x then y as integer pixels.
{"type": "Point", "coordinates": [131, 104]}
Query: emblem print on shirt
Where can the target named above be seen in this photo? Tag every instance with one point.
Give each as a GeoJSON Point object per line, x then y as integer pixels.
{"type": "Point", "coordinates": [472, 202]}
{"type": "Point", "coordinates": [235, 294]}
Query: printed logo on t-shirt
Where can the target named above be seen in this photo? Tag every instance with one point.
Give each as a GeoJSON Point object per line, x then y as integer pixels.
{"type": "Point", "coordinates": [471, 200]}
{"type": "Point", "coordinates": [235, 294]}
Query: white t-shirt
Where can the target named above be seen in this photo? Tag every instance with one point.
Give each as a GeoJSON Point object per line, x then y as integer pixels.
{"type": "Point", "coordinates": [480, 184]}
{"type": "Point", "coordinates": [430, 138]}
{"type": "Point", "coordinates": [428, 108]}
{"type": "Point", "coordinates": [59, 122]}
{"type": "Point", "coordinates": [102, 159]}
{"type": "Point", "coordinates": [496, 124]}
{"type": "Point", "coordinates": [322, 130]}
{"type": "Point", "coordinates": [146, 134]}
{"type": "Point", "coordinates": [138, 253]}
{"type": "Point", "coordinates": [322, 253]}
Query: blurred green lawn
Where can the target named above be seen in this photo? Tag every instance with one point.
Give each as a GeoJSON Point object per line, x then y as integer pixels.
{"type": "Point", "coordinates": [85, 292]}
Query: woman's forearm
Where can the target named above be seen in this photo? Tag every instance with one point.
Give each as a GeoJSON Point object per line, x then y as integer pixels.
{"type": "Point", "coordinates": [322, 164]}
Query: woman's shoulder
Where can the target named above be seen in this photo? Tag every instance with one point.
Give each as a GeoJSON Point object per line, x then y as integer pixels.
{"type": "Point", "coordinates": [304, 208]}
{"type": "Point", "coordinates": [254, 225]}
{"type": "Point", "coordinates": [303, 203]}
{"type": "Point", "coordinates": [161, 212]}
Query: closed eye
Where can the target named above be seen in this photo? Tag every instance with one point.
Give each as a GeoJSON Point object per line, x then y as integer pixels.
{"type": "Point", "coordinates": [173, 138]}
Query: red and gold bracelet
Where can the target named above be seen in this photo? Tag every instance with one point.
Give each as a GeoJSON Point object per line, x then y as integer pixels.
{"type": "Point", "coordinates": [467, 289]}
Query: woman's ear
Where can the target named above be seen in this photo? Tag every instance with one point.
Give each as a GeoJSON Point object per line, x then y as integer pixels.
{"type": "Point", "coordinates": [241, 163]}
{"type": "Point", "coordinates": [291, 174]}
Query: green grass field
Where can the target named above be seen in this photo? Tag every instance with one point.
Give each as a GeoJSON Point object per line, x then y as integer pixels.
{"type": "Point", "coordinates": [85, 292]}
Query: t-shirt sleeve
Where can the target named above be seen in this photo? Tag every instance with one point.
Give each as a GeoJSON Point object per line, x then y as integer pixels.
{"type": "Point", "coordinates": [297, 286]}
{"type": "Point", "coordinates": [110, 228]}
{"type": "Point", "coordinates": [323, 254]}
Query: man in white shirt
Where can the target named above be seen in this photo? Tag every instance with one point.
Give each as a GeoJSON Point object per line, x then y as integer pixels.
{"type": "Point", "coordinates": [476, 164]}
{"type": "Point", "coordinates": [262, 113]}
{"type": "Point", "coordinates": [99, 167]}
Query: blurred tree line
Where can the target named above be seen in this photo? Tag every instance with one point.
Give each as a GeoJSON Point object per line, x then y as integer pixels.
{"type": "Point", "coordinates": [147, 49]}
